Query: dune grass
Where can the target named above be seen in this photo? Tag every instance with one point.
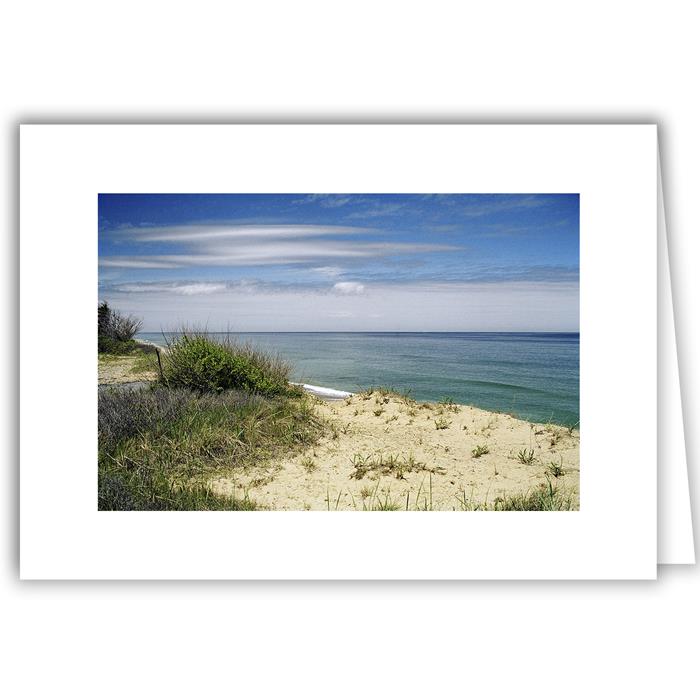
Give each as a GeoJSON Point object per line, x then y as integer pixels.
{"type": "Point", "coordinates": [159, 447]}
{"type": "Point", "coordinates": [394, 465]}
{"type": "Point", "coordinates": [546, 497]}
{"type": "Point", "coordinates": [198, 362]}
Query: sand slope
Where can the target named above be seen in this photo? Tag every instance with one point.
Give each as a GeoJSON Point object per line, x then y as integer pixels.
{"type": "Point", "coordinates": [385, 450]}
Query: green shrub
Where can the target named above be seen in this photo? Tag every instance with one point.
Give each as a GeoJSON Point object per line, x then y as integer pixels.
{"type": "Point", "coordinates": [197, 362]}
{"type": "Point", "coordinates": [108, 345]}
{"type": "Point", "coordinates": [115, 329]}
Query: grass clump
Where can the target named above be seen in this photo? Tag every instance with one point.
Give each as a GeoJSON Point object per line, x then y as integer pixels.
{"type": "Point", "coordinates": [526, 456]}
{"type": "Point", "coordinates": [383, 394]}
{"type": "Point", "coordinates": [442, 423]}
{"type": "Point", "coordinates": [544, 497]}
{"type": "Point", "coordinates": [448, 404]}
{"type": "Point", "coordinates": [480, 450]}
{"type": "Point", "coordinates": [197, 362]}
{"type": "Point", "coordinates": [309, 465]}
{"type": "Point", "coordinates": [394, 465]}
{"type": "Point", "coordinates": [372, 499]}
{"type": "Point", "coordinates": [556, 470]}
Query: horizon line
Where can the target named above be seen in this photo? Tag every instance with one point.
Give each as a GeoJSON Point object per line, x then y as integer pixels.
{"type": "Point", "coordinates": [206, 332]}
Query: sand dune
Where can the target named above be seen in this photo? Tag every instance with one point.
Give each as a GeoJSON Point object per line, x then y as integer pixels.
{"type": "Point", "coordinates": [383, 450]}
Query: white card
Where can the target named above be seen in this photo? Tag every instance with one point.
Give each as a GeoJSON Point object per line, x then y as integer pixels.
{"type": "Point", "coordinates": [613, 171]}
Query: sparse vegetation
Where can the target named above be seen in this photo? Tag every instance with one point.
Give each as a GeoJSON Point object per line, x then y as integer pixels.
{"type": "Point", "coordinates": [309, 465]}
{"type": "Point", "coordinates": [448, 404]}
{"type": "Point", "coordinates": [556, 470]}
{"type": "Point", "coordinates": [526, 456]}
{"type": "Point", "coordinates": [480, 450]}
{"type": "Point", "coordinates": [442, 423]}
{"type": "Point", "coordinates": [394, 465]}
{"type": "Point", "coordinates": [544, 497]}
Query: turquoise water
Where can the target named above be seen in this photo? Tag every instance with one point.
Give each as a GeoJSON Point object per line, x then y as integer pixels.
{"type": "Point", "coordinates": [533, 375]}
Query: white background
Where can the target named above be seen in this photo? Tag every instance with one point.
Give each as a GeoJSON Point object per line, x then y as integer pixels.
{"type": "Point", "coordinates": [497, 61]}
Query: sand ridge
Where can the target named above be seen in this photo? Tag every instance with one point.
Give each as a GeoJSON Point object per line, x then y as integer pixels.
{"type": "Point", "coordinates": [383, 450]}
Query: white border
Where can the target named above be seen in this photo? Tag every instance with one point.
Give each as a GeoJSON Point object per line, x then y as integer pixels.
{"type": "Point", "coordinates": [64, 167]}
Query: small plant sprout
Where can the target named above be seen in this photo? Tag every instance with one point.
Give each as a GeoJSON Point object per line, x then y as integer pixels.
{"type": "Point", "coordinates": [556, 470]}
{"type": "Point", "coordinates": [480, 450]}
{"type": "Point", "coordinates": [526, 456]}
{"type": "Point", "coordinates": [378, 412]}
{"type": "Point", "coordinates": [442, 423]}
{"type": "Point", "coordinates": [309, 465]}
{"type": "Point", "coordinates": [448, 404]}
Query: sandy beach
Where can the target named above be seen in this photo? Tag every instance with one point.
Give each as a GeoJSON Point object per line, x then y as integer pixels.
{"type": "Point", "coordinates": [384, 449]}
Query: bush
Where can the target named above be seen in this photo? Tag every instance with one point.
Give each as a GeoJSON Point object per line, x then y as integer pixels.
{"type": "Point", "coordinates": [116, 347]}
{"type": "Point", "coordinates": [115, 332]}
{"type": "Point", "coordinates": [196, 362]}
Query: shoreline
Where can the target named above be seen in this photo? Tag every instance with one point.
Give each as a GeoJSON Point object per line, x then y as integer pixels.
{"type": "Point", "coordinates": [386, 451]}
{"type": "Point", "coordinates": [327, 393]}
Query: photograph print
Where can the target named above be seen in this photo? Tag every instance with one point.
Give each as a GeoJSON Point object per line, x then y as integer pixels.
{"type": "Point", "coordinates": [327, 352]}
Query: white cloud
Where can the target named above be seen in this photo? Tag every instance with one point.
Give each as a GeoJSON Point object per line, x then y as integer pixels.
{"type": "Point", "coordinates": [186, 289]}
{"type": "Point", "coordinates": [328, 272]}
{"type": "Point", "coordinates": [135, 263]}
{"type": "Point", "coordinates": [349, 287]}
{"type": "Point", "coordinates": [197, 233]}
{"type": "Point", "coordinates": [272, 253]}
{"type": "Point", "coordinates": [200, 288]}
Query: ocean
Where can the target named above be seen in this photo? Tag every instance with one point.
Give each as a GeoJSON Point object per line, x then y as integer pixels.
{"type": "Point", "coordinates": [535, 376]}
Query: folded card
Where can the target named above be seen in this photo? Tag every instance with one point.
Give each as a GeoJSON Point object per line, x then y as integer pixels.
{"type": "Point", "coordinates": [344, 352]}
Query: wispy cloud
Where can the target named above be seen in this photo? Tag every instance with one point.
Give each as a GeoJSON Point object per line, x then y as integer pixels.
{"type": "Point", "coordinates": [377, 209]}
{"type": "Point", "coordinates": [187, 289]}
{"type": "Point", "coordinates": [327, 201]}
{"type": "Point", "coordinates": [277, 253]}
{"type": "Point", "coordinates": [496, 204]}
{"type": "Point", "coordinates": [202, 233]}
{"type": "Point", "coordinates": [328, 271]}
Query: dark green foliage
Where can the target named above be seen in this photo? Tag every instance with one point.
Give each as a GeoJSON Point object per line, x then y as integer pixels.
{"type": "Point", "coordinates": [119, 490]}
{"type": "Point", "coordinates": [197, 362]}
{"type": "Point", "coordinates": [116, 347]}
{"type": "Point", "coordinates": [115, 332]}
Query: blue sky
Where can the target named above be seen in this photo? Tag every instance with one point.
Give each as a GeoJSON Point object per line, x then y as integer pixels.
{"type": "Point", "coordinates": [342, 261]}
